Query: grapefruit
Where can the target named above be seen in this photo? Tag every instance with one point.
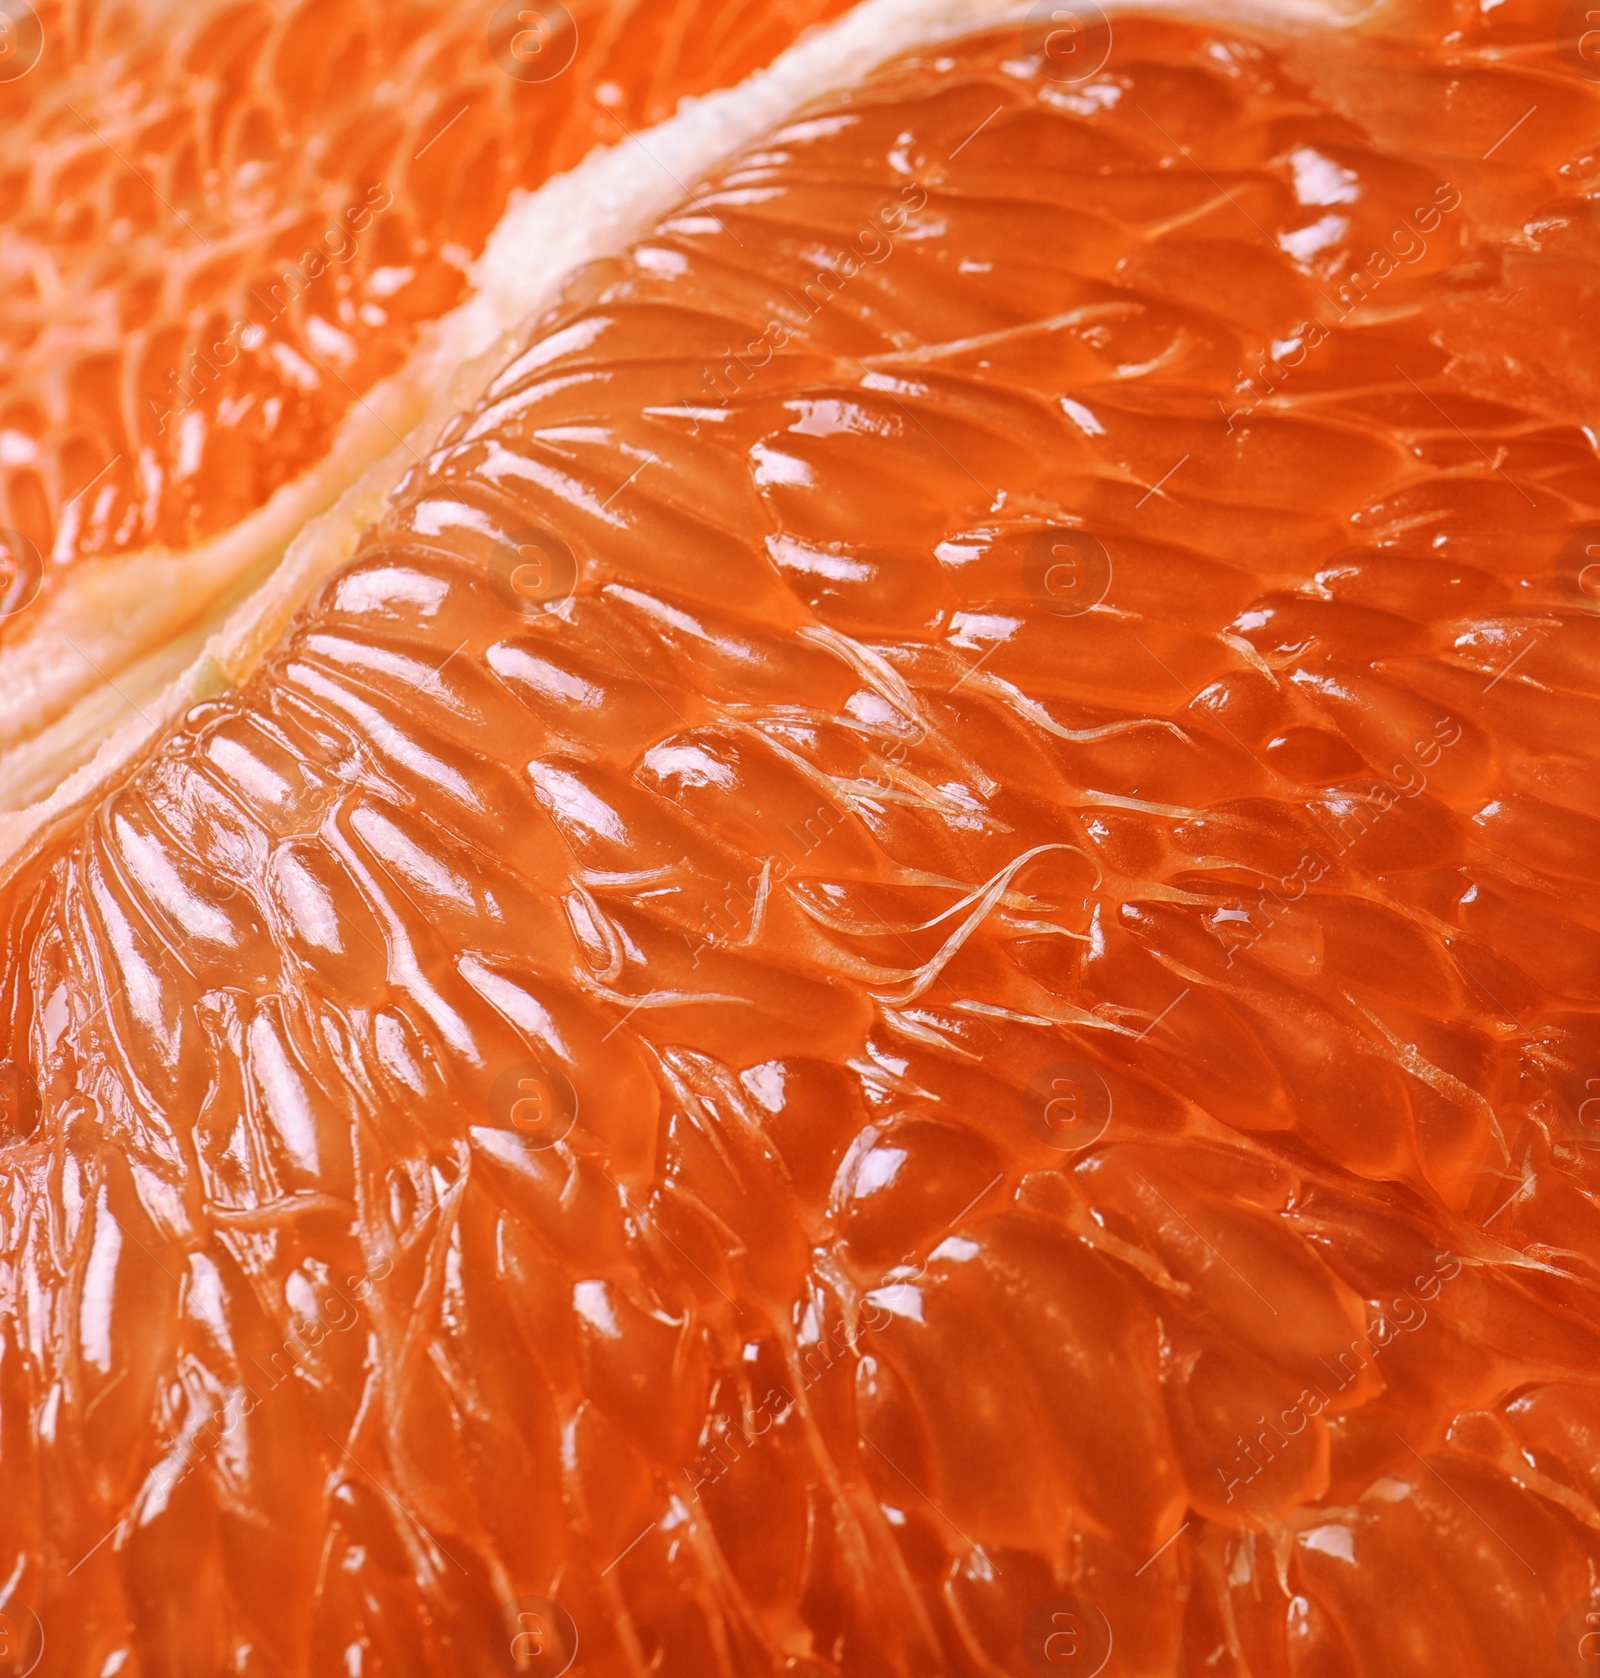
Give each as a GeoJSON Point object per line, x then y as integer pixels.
{"type": "Point", "coordinates": [229, 234]}
{"type": "Point", "coordinates": [898, 973]}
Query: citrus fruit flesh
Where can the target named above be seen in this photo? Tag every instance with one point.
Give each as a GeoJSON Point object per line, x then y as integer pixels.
{"type": "Point", "coordinates": [904, 978]}
{"type": "Point", "coordinates": [228, 234]}
{"type": "Point", "coordinates": [238, 226]}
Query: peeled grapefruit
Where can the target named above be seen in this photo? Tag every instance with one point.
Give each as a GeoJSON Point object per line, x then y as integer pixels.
{"type": "Point", "coordinates": [899, 974]}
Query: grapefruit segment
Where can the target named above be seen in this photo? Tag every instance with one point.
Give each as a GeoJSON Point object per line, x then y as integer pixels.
{"type": "Point", "coordinates": [302, 192]}
{"type": "Point", "coordinates": [909, 937]}
{"type": "Point", "coordinates": [231, 243]}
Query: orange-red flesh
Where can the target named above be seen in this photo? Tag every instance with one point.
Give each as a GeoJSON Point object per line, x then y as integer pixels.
{"type": "Point", "coordinates": [223, 228]}
{"type": "Point", "coordinates": [915, 949]}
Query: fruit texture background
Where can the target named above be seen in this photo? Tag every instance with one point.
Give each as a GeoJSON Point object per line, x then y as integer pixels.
{"type": "Point", "coordinates": [904, 978]}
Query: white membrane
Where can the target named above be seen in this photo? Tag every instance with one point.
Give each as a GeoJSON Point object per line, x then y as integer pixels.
{"type": "Point", "coordinates": [134, 621]}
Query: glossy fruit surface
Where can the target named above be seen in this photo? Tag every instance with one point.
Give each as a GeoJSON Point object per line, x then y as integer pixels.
{"type": "Point", "coordinates": [904, 980]}
{"type": "Point", "coordinates": [225, 225]}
